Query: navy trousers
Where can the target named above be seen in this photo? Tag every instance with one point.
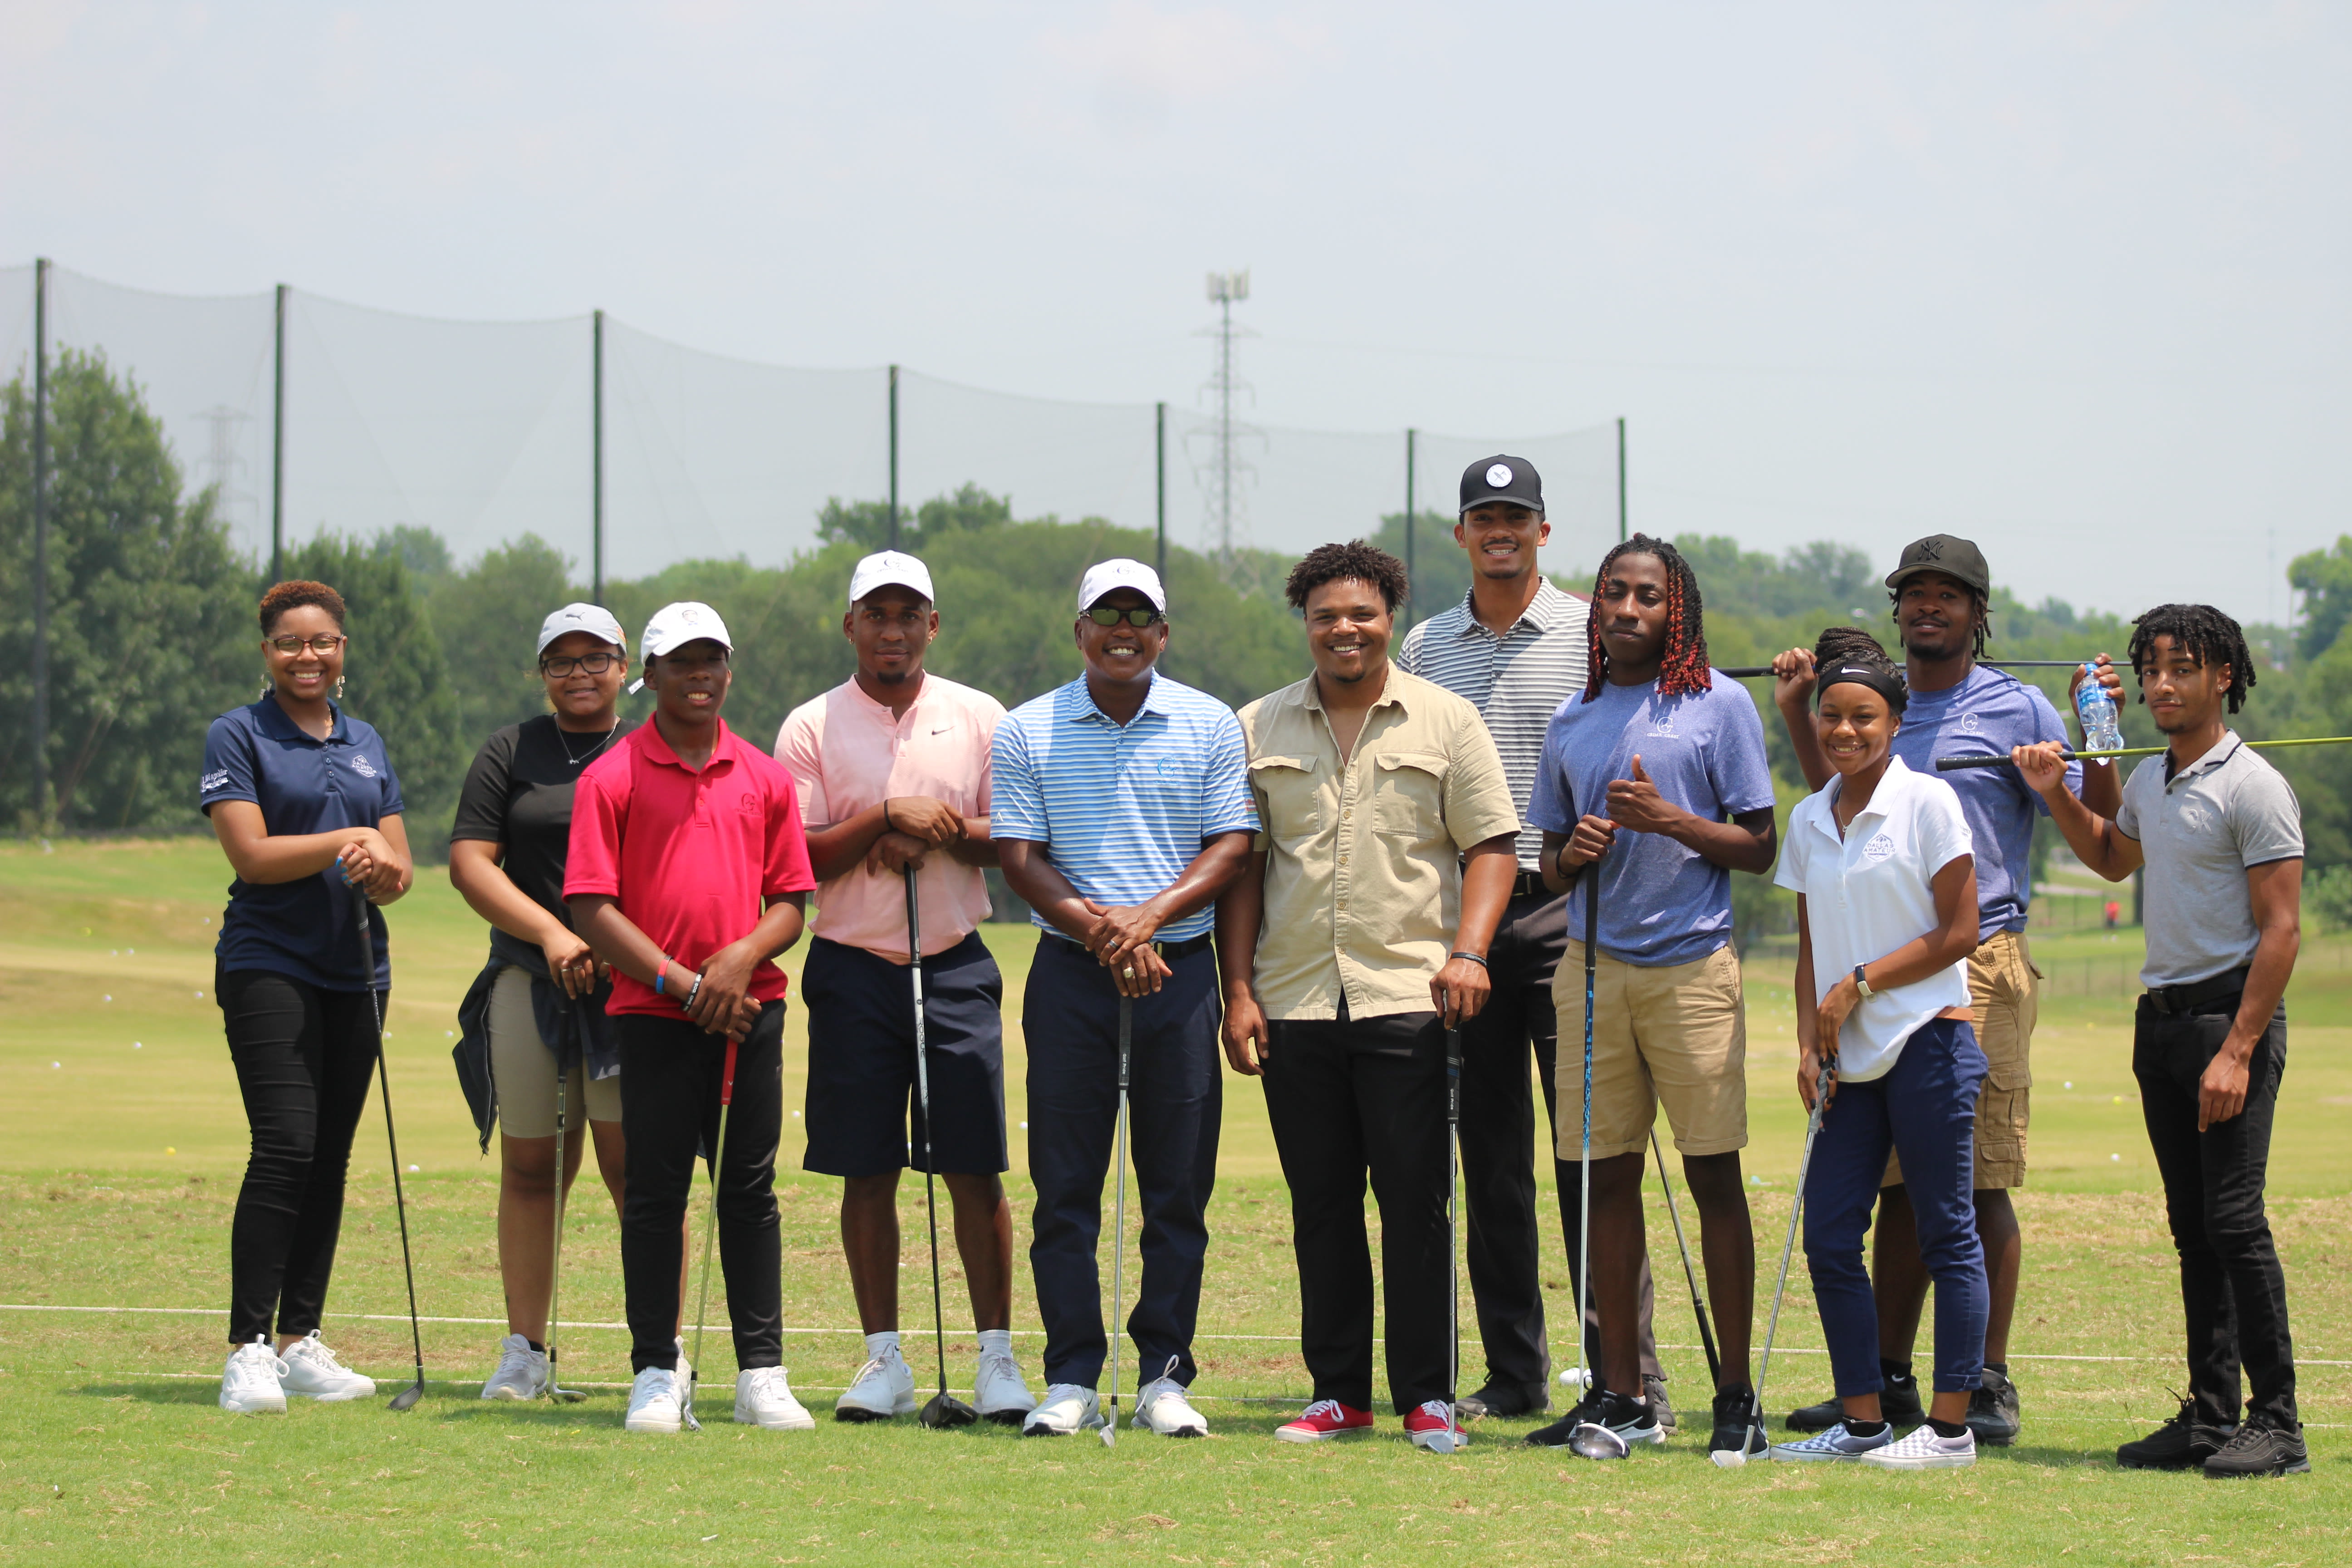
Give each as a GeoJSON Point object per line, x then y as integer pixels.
{"type": "Point", "coordinates": [1925, 1109]}
{"type": "Point", "coordinates": [1176, 1097]}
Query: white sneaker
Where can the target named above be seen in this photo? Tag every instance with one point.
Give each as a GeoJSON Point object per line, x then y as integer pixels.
{"type": "Point", "coordinates": [1162, 1407]}
{"type": "Point", "coordinates": [763, 1397]}
{"type": "Point", "coordinates": [250, 1385]}
{"type": "Point", "coordinates": [656, 1402]}
{"type": "Point", "coordinates": [998, 1391]}
{"type": "Point", "coordinates": [312, 1372]}
{"type": "Point", "coordinates": [884, 1387]}
{"type": "Point", "coordinates": [1068, 1408]}
{"type": "Point", "coordinates": [1923, 1451]}
{"type": "Point", "coordinates": [522, 1370]}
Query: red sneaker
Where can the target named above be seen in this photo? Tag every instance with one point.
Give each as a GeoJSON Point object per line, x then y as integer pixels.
{"type": "Point", "coordinates": [1325, 1418]}
{"type": "Point", "coordinates": [1432, 1425]}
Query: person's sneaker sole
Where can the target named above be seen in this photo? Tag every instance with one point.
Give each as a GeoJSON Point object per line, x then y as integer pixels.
{"type": "Point", "coordinates": [337, 1397]}
{"type": "Point", "coordinates": [2289, 1468]}
{"type": "Point", "coordinates": [650, 1424]}
{"type": "Point", "coordinates": [1285, 1435]}
{"type": "Point", "coordinates": [859, 1416]}
{"type": "Point", "coordinates": [1924, 1462]}
{"type": "Point", "coordinates": [803, 1423]}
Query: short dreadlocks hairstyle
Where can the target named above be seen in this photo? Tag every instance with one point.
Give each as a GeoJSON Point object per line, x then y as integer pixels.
{"type": "Point", "coordinates": [1683, 669]}
{"type": "Point", "coordinates": [1330, 563]}
{"type": "Point", "coordinates": [2205, 632]}
{"type": "Point", "coordinates": [1851, 645]}
{"type": "Point", "coordinates": [1983, 608]}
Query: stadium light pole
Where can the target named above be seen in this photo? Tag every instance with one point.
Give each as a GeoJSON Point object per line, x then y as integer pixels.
{"type": "Point", "coordinates": [1160, 460]}
{"type": "Point", "coordinates": [1620, 478]}
{"type": "Point", "coordinates": [596, 483]}
{"type": "Point", "coordinates": [40, 736]}
{"type": "Point", "coordinates": [894, 457]}
{"type": "Point", "coordinates": [277, 445]}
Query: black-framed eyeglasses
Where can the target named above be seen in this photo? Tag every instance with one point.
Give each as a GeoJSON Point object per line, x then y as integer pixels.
{"type": "Point", "coordinates": [559, 666]}
{"type": "Point", "coordinates": [1110, 616]}
{"type": "Point", "coordinates": [323, 644]}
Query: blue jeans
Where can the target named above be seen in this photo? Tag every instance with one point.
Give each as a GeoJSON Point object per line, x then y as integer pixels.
{"type": "Point", "coordinates": [1925, 1107]}
{"type": "Point", "coordinates": [1069, 1016]}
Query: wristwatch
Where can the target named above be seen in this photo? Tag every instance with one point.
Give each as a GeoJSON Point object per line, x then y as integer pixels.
{"type": "Point", "coordinates": [1861, 984]}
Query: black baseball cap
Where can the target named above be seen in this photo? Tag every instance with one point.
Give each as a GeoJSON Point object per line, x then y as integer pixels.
{"type": "Point", "coordinates": [1501, 478]}
{"type": "Point", "coordinates": [1957, 558]}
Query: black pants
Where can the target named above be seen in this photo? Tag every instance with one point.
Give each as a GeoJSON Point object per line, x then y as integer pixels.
{"type": "Point", "coordinates": [2232, 1291]}
{"type": "Point", "coordinates": [303, 1057]}
{"type": "Point", "coordinates": [1498, 1145]}
{"type": "Point", "coordinates": [669, 1115]}
{"type": "Point", "coordinates": [1176, 1100]}
{"type": "Point", "coordinates": [1345, 1096]}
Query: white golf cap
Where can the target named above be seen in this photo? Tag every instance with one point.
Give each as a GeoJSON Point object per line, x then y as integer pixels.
{"type": "Point", "coordinates": [594, 619]}
{"type": "Point", "coordinates": [674, 626]}
{"type": "Point", "coordinates": [1107, 576]}
{"type": "Point", "coordinates": [887, 568]}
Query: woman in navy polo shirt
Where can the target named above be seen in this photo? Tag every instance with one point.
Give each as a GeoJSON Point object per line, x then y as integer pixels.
{"type": "Point", "coordinates": [307, 807]}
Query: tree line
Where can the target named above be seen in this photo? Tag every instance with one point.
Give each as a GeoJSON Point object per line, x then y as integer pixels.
{"type": "Point", "coordinates": [151, 632]}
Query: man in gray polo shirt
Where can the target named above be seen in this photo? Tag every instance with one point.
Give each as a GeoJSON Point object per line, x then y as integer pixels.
{"type": "Point", "coordinates": [1516, 649]}
{"type": "Point", "coordinates": [2222, 837]}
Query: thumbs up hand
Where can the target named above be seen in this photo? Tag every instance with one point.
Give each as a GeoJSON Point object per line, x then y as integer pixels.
{"type": "Point", "coordinates": [1634, 803]}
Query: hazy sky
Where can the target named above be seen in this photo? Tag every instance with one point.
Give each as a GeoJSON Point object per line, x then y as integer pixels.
{"type": "Point", "coordinates": [2071, 277]}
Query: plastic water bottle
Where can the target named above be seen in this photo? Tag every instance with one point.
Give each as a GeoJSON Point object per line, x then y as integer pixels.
{"type": "Point", "coordinates": [2097, 709]}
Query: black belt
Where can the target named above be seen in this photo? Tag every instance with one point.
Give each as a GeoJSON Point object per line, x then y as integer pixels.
{"type": "Point", "coordinates": [1185, 949]}
{"type": "Point", "coordinates": [2178, 999]}
{"type": "Point", "coordinates": [1527, 885]}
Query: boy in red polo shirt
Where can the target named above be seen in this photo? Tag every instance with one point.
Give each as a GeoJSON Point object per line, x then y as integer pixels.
{"type": "Point", "coordinates": [687, 874]}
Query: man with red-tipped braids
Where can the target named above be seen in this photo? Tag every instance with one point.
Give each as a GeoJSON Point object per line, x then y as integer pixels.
{"type": "Point", "coordinates": [1654, 783]}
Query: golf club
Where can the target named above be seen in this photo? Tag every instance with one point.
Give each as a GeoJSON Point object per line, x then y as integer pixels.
{"type": "Point", "coordinates": [1732, 1459]}
{"type": "Point", "coordinates": [556, 1392]}
{"type": "Point", "coordinates": [944, 1409]}
{"type": "Point", "coordinates": [1453, 1254]}
{"type": "Point", "coordinates": [1119, 1222]}
{"type": "Point", "coordinates": [1751, 672]}
{"type": "Point", "coordinates": [407, 1397]}
{"type": "Point", "coordinates": [1698, 1301]}
{"type": "Point", "coordinates": [1956, 764]}
{"type": "Point", "coordinates": [1590, 1439]}
{"type": "Point", "coordinates": [709, 1234]}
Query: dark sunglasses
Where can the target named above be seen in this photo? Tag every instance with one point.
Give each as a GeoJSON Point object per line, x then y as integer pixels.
{"type": "Point", "coordinates": [1108, 615]}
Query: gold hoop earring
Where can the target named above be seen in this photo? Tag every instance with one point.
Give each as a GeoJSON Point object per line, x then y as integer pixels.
{"type": "Point", "coordinates": [268, 686]}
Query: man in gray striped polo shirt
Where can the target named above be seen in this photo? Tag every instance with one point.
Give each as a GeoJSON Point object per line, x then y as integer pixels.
{"type": "Point", "coordinates": [1516, 647]}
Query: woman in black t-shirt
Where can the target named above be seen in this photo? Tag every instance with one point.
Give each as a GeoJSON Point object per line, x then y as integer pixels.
{"type": "Point", "coordinates": [540, 1001]}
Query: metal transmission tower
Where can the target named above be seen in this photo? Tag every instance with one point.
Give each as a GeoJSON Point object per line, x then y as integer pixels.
{"type": "Point", "coordinates": [1223, 470]}
{"type": "Point", "coordinates": [222, 460]}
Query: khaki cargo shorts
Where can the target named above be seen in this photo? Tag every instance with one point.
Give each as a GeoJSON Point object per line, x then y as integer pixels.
{"type": "Point", "coordinates": [2004, 989]}
{"type": "Point", "coordinates": [1676, 1036]}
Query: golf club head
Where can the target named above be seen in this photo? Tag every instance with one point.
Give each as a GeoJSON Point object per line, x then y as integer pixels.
{"type": "Point", "coordinates": [564, 1395]}
{"type": "Point", "coordinates": [1728, 1459]}
{"type": "Point", "coordinates": [407, 1397]}
{"type": "Point", "coordinates": [1594, 1441]}
{"type": "Point", "coordinates": [1444, 1442]}
{"type": "Point", "coordinates": [946, 1410]}
{"type": "Point", "coordinates": [1108, 1432]}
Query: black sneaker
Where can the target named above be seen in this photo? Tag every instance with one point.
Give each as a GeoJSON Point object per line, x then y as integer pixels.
{"type": "Point", "coordinates": [1992, 1411]}
{"type": "Point", "coordinates": [1898, 1402]}
{"type": "Point", "coordinates": [1656, 1387]}
{"type": "Point", "coordinates": [2182, 1443]}
{"type": "Point", "coordinates": [1631, 1420]}
{"type": "Point", "coordinates": [2260, 1449]}
{"type": "Point", "coordinates": [1505, 1399]}
{"type": "Point", "coordinates": [1734, 1422]}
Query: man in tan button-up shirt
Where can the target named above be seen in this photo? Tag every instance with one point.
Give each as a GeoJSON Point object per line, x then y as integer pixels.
{"type": "Point", "coordinates": [1356, 939]}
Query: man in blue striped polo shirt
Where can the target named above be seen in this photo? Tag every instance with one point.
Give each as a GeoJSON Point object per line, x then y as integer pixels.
{"type": "Point", "coordinates": [1122, 809]}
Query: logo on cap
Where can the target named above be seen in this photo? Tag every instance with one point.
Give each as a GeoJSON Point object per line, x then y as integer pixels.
{"type": "Point", "coordinates": [1500, 475]}
{"type": "Point", "coordinates": [690, 614]}
{"type": "Point", "coordinates": [1928, 550]}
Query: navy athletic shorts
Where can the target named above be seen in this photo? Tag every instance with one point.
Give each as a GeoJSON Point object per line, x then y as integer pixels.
{"type": "Point", "coordinates": [863, 1119]}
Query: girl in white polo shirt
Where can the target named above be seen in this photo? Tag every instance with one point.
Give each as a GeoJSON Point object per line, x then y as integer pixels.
{"type": "Point", "coordinates": [1886, 914]}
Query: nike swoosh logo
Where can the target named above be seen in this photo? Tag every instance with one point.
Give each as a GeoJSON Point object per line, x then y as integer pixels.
{"type": "Point", "coordinates": [942, 728]}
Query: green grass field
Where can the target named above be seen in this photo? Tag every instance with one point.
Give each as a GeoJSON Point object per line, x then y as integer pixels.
{"type": "Point", "coordinates": [122, 1141]}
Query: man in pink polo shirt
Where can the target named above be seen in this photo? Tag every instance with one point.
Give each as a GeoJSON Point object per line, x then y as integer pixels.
{"type": "Point", "coordinates": [687, 874]}
{"type": "Point", "coordinates": [892, 767]}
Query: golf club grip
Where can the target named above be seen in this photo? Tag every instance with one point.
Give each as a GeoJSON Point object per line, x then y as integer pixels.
{"type": "Point", "coordinates": [727, 1076]}
{"type": "Point", "coordinates": [1958, 764]}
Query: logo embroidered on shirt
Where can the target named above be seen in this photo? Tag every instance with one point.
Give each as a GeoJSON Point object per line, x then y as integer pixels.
{"type": "Point", "coordinates": [212, 782]}
{"type": "Point", "coordinates": [942, 728]}
{"type": "Point", "coordinates": [1879, 849]}
{"type": "Point", "coordinates": [360, 766]}
{"type": "Point", "coordinates": [1662, 728]}
{"type": "Point", "coordinates": [1968, 724]}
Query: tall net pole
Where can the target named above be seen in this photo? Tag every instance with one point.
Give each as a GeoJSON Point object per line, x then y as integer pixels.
{"type": "Point", "coordinates": [277, 445]}
{"type": "Point", "coordinates": [1412, 439]}
{"type": "Point", "coordinates": [41, 539]}
{"type": "Point", "coordinates": [1620, 478]}
{"type": "Point", "coordinates": [596, 482]}
{"type": "Point", "coordinates": [894, 457]}
{"type": "Point", "coordinates": [1160, 480]}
